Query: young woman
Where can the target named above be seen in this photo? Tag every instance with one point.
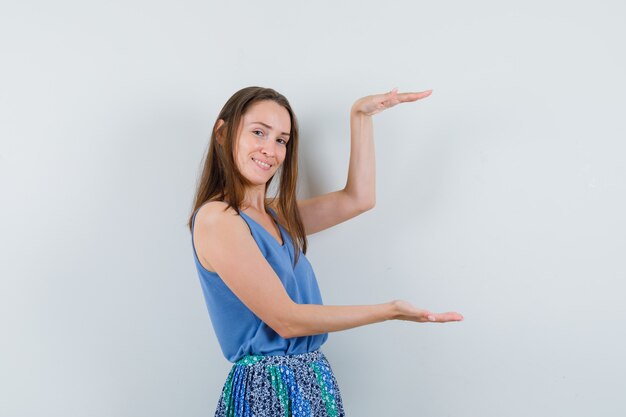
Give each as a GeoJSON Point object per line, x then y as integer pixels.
{"type": "Point", "coordinates": [261, 292]}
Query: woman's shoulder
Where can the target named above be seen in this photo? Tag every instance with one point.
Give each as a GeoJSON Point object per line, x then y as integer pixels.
{"type": "Point", "coordinates": [213, 210]}
{"type": "Point", "coordinates": [217, 210]}
{"type": "Point", "coordinates": [214, 221]}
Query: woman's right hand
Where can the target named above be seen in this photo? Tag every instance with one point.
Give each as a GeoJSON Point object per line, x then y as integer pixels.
{"type": "Point", "coordinates": [406, 311]}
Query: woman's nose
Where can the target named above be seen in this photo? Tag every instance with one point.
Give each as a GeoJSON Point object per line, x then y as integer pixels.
{"type": "Point", "coordinates": [269, 148]}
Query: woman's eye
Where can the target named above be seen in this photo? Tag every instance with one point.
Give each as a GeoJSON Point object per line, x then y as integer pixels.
{"type": "Point", "coordinates": [282, 141]}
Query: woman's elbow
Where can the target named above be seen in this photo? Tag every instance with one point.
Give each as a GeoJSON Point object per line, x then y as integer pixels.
{"type": "Point", "coordinates": [285, 325]}
{"type": "Point", "coordinates": [285, 333]}
{"type": "Point", "coordinates": [366, 205]}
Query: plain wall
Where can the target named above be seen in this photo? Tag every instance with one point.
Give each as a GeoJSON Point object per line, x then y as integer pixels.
{"type": "Point", "coordinates": [501, 196]}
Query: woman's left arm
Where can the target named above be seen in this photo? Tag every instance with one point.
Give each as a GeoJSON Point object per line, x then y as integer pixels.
{"type": "Point", "coordinates": [359, 194]}
{"type": "Point", "coordinates": [361, 183]}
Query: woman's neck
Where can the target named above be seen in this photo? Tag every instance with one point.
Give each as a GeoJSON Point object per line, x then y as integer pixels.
{"type": "Point", "coordinates": [252, 199]}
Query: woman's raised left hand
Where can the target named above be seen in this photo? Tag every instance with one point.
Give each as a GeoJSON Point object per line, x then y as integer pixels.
{"type": "Point", "coordinates": [376, 103]}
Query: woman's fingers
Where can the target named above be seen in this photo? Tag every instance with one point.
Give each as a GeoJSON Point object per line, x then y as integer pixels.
{"type": "Point", "coordinates": [407, 311]}
{"type": "Point", "coordinates": [445, 317]}
{"type": "Point", "coordinates": [408, 97]}
{"type": "Point", "coordinates": [373, 104]}
{"type": "Point", "coordinates": [392, 98]}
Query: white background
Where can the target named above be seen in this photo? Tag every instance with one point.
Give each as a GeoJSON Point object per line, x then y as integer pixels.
{"type": "Point", "coordinates": [501, 196]}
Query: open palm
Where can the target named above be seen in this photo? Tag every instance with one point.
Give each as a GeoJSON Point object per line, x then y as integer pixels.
{"type": "Point", "coordinates": [376, 103]}
{"type": "Point", "coordinates": [407, 311]}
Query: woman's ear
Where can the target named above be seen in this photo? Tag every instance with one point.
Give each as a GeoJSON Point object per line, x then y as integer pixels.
{"type": "Point", "coordinates": [218, 134]}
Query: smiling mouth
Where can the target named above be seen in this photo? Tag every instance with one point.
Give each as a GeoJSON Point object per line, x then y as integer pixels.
{"type": "Point", "coordinates": [262, 164]}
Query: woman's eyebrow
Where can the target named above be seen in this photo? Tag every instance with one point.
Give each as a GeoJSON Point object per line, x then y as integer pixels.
{"type": "Point", "coordinates": [269, 127]}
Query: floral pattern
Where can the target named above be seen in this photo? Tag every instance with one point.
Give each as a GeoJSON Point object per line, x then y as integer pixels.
{"type": "Point", "coordinates": [299, 385]}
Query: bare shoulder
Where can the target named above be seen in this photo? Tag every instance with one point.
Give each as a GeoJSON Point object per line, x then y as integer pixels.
{"type": "Point", "coordinates": [213, 211]}
{"type": "Point", "coordinates": [214, 220]}
{"type": "Point", "coordinates": [217, 216]}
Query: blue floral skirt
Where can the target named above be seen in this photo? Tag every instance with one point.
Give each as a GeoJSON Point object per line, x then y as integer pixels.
{"type": "Point", "coordinates": [299, 385]}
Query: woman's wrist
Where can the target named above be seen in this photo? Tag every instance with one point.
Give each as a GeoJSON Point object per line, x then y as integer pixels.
{"type": "Point", "coordinates": [354, 112]}
{"type": "Point", "coordinates": [392, 311]}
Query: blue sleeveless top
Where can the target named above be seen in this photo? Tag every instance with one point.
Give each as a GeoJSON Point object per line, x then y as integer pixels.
{"type": "Point", "coordinates": [239, 331]}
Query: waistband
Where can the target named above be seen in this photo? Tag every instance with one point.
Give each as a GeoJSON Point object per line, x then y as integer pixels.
{"type": "Point", "coordinates": [293, 359]}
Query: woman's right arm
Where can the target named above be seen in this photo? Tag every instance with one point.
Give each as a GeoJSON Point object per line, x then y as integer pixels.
{"type": "Point", "coordinates": [314, 319]}
{"type": "Point", "coordinates": [224, 240]}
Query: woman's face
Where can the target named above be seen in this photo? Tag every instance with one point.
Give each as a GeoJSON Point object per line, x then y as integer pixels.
{"type": "Point", "coordinates": [262, 143]}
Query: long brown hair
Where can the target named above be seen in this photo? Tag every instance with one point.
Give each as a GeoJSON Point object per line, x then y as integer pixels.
{"type": "Point", "coordinates": [220, 176]}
